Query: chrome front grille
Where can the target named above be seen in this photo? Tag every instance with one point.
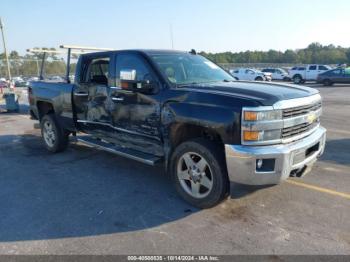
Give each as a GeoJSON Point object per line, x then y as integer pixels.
{"type": "Point", "coordinates": [296, 130]}
{"type": "Point", "coordinates": [301, 110]}
{"type": "Point", "coordinates": [293, 119]}
{"type": "Point", "coordinates": [300, 120]}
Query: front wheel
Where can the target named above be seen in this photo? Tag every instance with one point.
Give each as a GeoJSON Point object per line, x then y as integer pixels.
{"type": "Point", "coordinates": [55, 138]}
{"type": "Point", "coordinates": [199, 173]}
{"type": "Point", "coordinates": [259, 78]}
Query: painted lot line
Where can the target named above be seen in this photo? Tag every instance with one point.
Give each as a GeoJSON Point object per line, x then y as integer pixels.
{"type": "Point", "coordinates": [319, 189]}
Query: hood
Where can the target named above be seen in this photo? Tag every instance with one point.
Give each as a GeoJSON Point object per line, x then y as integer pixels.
{"type": "Point", "coordinates": [262, 92]}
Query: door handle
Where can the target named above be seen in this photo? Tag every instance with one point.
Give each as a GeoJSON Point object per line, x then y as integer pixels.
{"type": "Point", "coordinates": [81, 94]}
{"type": "Point", "coordinates": [117, 98]}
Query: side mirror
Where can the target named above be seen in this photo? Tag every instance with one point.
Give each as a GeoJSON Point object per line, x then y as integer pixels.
{"type": "Point", "coordinates": [128, 82]}
{"type": "Point", "coordinates": [127, 74]}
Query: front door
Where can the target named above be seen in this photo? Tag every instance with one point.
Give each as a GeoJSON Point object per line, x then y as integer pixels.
{"type": "Point", "coordinates": [91, 96]}
{"type": "Point", "coordinates": [136, 115]}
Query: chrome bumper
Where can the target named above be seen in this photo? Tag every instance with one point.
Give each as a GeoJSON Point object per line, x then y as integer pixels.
{"type": "Point", "coordinates": [297, 156]}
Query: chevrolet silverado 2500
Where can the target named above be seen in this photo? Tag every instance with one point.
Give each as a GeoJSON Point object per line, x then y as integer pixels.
{"type": "Point", "coordinates": [184, 111]}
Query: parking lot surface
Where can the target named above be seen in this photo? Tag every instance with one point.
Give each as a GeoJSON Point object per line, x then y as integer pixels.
{"type": "Point", "coordinates": [85, 201]}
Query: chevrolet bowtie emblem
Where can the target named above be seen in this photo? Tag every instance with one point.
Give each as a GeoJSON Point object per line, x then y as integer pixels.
{"type": "Point", "coordinates": [311, 118]}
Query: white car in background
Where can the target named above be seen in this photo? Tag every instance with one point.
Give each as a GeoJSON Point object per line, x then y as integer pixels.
{"type": "Point", "coordinates": [277, 73]}
{"type": "Point", "coordinates": [300, 74]}
{"type": "Point", "coordinates": [250, 74]}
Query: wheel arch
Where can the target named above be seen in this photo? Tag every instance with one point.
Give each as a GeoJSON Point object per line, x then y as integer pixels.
{"type": "Point", "coordinates": [44, 108]}
{"type": "Point", "coordinates": [181, 132]}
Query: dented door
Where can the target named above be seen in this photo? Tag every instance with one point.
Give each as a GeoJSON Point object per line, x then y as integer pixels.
{"type": "Point", "coordinates": [136, 116]}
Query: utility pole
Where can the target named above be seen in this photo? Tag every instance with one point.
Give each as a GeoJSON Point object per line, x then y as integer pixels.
{"type": "Point", "coordinates": [5, 51]}
{"type": "Point", "coordinates": [171, 35]}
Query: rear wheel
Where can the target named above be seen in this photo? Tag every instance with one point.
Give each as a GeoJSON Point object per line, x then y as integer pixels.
{"type": "Point", "coordinates": [327, 82]}
{"type": "Point", "coordinates": [199, 173]}
{"type": "Point", "coordinates": [297, 79]}
{"type": "Point", "coordinates": [55, 138]}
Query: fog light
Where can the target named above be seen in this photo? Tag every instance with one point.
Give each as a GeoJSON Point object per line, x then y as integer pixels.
{"type": "Point", "coordinates": [265, 165]}
{"type": "Point", "coordinates": [259, 163]}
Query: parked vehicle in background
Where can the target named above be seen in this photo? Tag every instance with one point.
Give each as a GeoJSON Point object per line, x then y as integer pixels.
{"type": "Point", "coordinates": [300, 74]}
{"type": "Point", "coordinates": [277, 73]}
{"type": "Point", "coordinates": [338, 75]}
{"type": "Point", "coordinates": [17, 79]}
{"type": "Point", "coordinates": [341, 65]}
{"type": "Point", "coordinates": [21, 83]}
{"type": "Point", "coordinates": [250, 74]}
{"type": "Point", "coordinates": [3, 84]}
{"type": "Point", "coordinates": [34, 78]}
{"type": "Point", "coordinates": [57, 78]}
{"type": "Point", "coordinates": [182, 110]}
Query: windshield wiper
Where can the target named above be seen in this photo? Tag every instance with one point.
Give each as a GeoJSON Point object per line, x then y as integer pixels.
{"type": "Point", "coordinates": [188, 84]}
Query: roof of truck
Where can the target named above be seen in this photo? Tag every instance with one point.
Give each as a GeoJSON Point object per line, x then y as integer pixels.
{"type": "Point", "coordinates": [146, 51]}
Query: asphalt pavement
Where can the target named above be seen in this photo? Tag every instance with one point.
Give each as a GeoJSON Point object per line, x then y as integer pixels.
{"type": "Point", "coordinates": [85, 201]}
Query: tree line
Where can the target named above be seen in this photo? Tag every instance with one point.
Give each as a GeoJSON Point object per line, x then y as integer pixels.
{"type": "Point", "coordinates": [314, 53]}
{"type": "Point", "coordinates": [29, 64]}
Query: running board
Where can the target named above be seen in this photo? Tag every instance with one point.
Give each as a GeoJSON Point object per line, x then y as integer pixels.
{"type": "Point", "coordinates": [120, 151]}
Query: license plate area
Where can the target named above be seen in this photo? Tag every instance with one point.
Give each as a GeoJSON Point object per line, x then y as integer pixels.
{"type": "Point", "coordinates": [301, 155]}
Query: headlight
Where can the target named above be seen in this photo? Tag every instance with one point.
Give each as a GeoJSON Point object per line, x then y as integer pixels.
{"type": "Point", "coordinates": [265, 135]}
{"type": "Point", "coordinates": [261, 125]}
{"type": "Point", "coordinates": [262, 115]}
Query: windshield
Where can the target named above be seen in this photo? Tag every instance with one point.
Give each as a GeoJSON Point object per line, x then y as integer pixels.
{"type": "Point", "coordinates": [182, 69]}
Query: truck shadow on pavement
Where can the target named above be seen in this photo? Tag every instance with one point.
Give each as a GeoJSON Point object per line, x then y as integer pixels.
{"type": "Point", "coordinates": [80, 192]}
{"type": "Point", "coordinates": [337, 151]}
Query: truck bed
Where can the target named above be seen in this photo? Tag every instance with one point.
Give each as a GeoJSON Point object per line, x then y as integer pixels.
{"type": "Point", "coordinates": [56, 94]}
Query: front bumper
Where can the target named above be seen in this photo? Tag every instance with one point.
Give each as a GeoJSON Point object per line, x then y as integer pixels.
{"type": "Point", "coordinates": [296, 157]}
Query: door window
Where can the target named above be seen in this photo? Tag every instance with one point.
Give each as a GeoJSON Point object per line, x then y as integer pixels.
{"type": "Point", "coordinates": [96, 71]}
{"type": "Point", "coordinates": [337, 72]}
{"type": "Point", "coordinates": [321, 67]}
{"type": "Point", "coordinates": [133, 62]}
{"type": "Point", "coordinates": [313, 67]}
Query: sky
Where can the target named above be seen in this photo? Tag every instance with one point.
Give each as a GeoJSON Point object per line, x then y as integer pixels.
{"type": "Point", "coordinates": [204, 25]}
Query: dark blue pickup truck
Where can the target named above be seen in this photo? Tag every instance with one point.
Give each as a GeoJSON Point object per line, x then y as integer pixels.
{"type": "Point", "coordinates": [185, 112]}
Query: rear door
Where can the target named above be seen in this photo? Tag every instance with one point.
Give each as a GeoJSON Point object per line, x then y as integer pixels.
{"type": "Point", "coordinates": [337, 75]}
{"type": "Point", "coordinates": [90, 95]}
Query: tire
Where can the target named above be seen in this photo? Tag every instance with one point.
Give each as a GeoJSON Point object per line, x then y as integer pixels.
{"type": "Point", "coordinates": [327, 82]}
{"type": "Point", "coordinates": [259, 78]}
{"type": "Point", "coordinates": [202, 188]}
{"type": "Point", "coordinates": [55, 138]}
{"type": "Point", "coordinates": [297, 79]}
